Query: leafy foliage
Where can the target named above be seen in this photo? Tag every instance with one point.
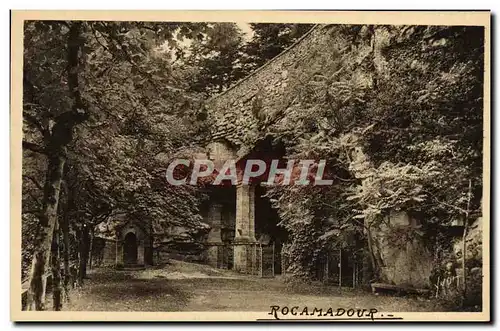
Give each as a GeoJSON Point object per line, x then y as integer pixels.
{"type": "Point", "coordinates": [140, 115]}
{"type": "Point", "coordinates": [217, 59]}
{"type": "Point", "coordinates": [224, 56]}
{"type": "Point", "coordinates": [269, 40]}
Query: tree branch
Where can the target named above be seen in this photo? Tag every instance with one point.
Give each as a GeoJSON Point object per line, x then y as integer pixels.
{"type": "Point", "coordinates": [114, 38]}
{"type": "Point", "coordinates": [34, 147]}
{"type": "Point", "coordinates": [34, 181]}
{"type": "Point", "coordinates": [94, 32]}
{"type": "Point", "coordinates": [80, 111]}
{"type": "Point", "coordinates": [447, 204]}
{"type": "Point", "coordinates": [35, 212]}
{"type": "Point", "coordinates": [34, 121]}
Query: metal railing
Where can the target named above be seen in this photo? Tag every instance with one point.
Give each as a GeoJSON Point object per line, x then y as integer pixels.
{"type": "Point", "coordinates": [260, 264]}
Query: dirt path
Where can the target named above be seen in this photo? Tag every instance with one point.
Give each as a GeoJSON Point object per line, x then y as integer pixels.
{"type": "Point", "coordinates": [183, 286]}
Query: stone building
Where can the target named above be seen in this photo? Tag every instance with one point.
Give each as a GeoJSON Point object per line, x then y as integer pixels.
{"type": "Point", "coordinates": [242, 220]}
{"type": "Point", "coordinates": [129, 245]}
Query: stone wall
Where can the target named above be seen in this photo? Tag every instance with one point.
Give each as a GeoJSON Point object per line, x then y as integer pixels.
{"type": "Point", "coordinates": [235, 110]}
{"type": "Point", "coordinates": [214, 219]}
{"type": "Point", "coordinates": [109, 253]}
{"type": "Point", "coordinates": [220, 151]}
{"type": "Point", "coordinates": [162, 255]}
{"type": "Point", "coordinates": [228, 222]}
{"type": "Point", "coordinates": [103, 252]}
{"type": "Point", "coordinates": [241, 112]}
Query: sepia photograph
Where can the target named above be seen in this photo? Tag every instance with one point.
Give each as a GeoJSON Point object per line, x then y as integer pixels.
{"type": "Point", "coordinates": [250, 166]}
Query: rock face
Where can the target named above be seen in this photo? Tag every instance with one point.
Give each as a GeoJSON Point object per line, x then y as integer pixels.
{"type": "Point", "coordinates": [404, 258]}
{"type": "Point", "coordinates": [474, 241]}
{"type": "Point", "coordinates": [398, 246]}
{"type": "Point", "coordinates": [104, 252]}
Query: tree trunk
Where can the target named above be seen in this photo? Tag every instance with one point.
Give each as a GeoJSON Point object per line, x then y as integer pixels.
{"type": "Point", "coordinates": [464, 258]}
{"type": "Point", "coordinates": [464, 241]}
{"type": "Point", "coordinates": [373, 260]}
{"type": "Point", "coordinates": [91, 245]}
{"type": "Point", "coordinates": [83, 253]}
{"type": "Point", "coordinates": [43, 240]}
{"type": "Point", "coordinates": [60, 137]}
{"type": "Point", "coordinates": [66, 249]}
{"type": "Point", "coordinates": [56, 271]}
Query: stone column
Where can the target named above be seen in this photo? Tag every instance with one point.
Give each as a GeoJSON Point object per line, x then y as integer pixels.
{"type": "Point", "coordinates": [140, 252]}
{"type": "Point", "coordinates": [214, 237]}
{"type": "Point", "coordinates": [244, 240]}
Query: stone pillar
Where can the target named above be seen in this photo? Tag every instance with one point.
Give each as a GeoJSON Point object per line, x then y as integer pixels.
{"type": "Point", "coordinates": [140, 252]}
{"type": "Point", "coordinates": [244, 240]}
{"type": "Point", "coordinates": [214, 237]}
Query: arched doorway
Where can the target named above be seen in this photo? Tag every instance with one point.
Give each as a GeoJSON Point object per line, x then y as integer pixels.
{"type": "Point", "coordinates": [130, 249]}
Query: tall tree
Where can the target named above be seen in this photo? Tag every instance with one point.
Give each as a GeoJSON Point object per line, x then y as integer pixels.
{"type": "Point", "coordinates": [269, 40]}
{"type": "Point", "coordinates": [55, 140]}
{"type": "Point", "coordinates": [217, 59]}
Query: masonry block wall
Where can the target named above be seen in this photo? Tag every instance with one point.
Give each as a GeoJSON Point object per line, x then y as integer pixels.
{"type": "Point", "coordinates": [109, 254]}
{"type": "Point", "coordinates": [265, 95]}
{"type": "Point", "coordinates": [405, 261]}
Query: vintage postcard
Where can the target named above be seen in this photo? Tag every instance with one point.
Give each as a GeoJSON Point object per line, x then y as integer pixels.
{"type": "Point", "coordinates": [250, 166]}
